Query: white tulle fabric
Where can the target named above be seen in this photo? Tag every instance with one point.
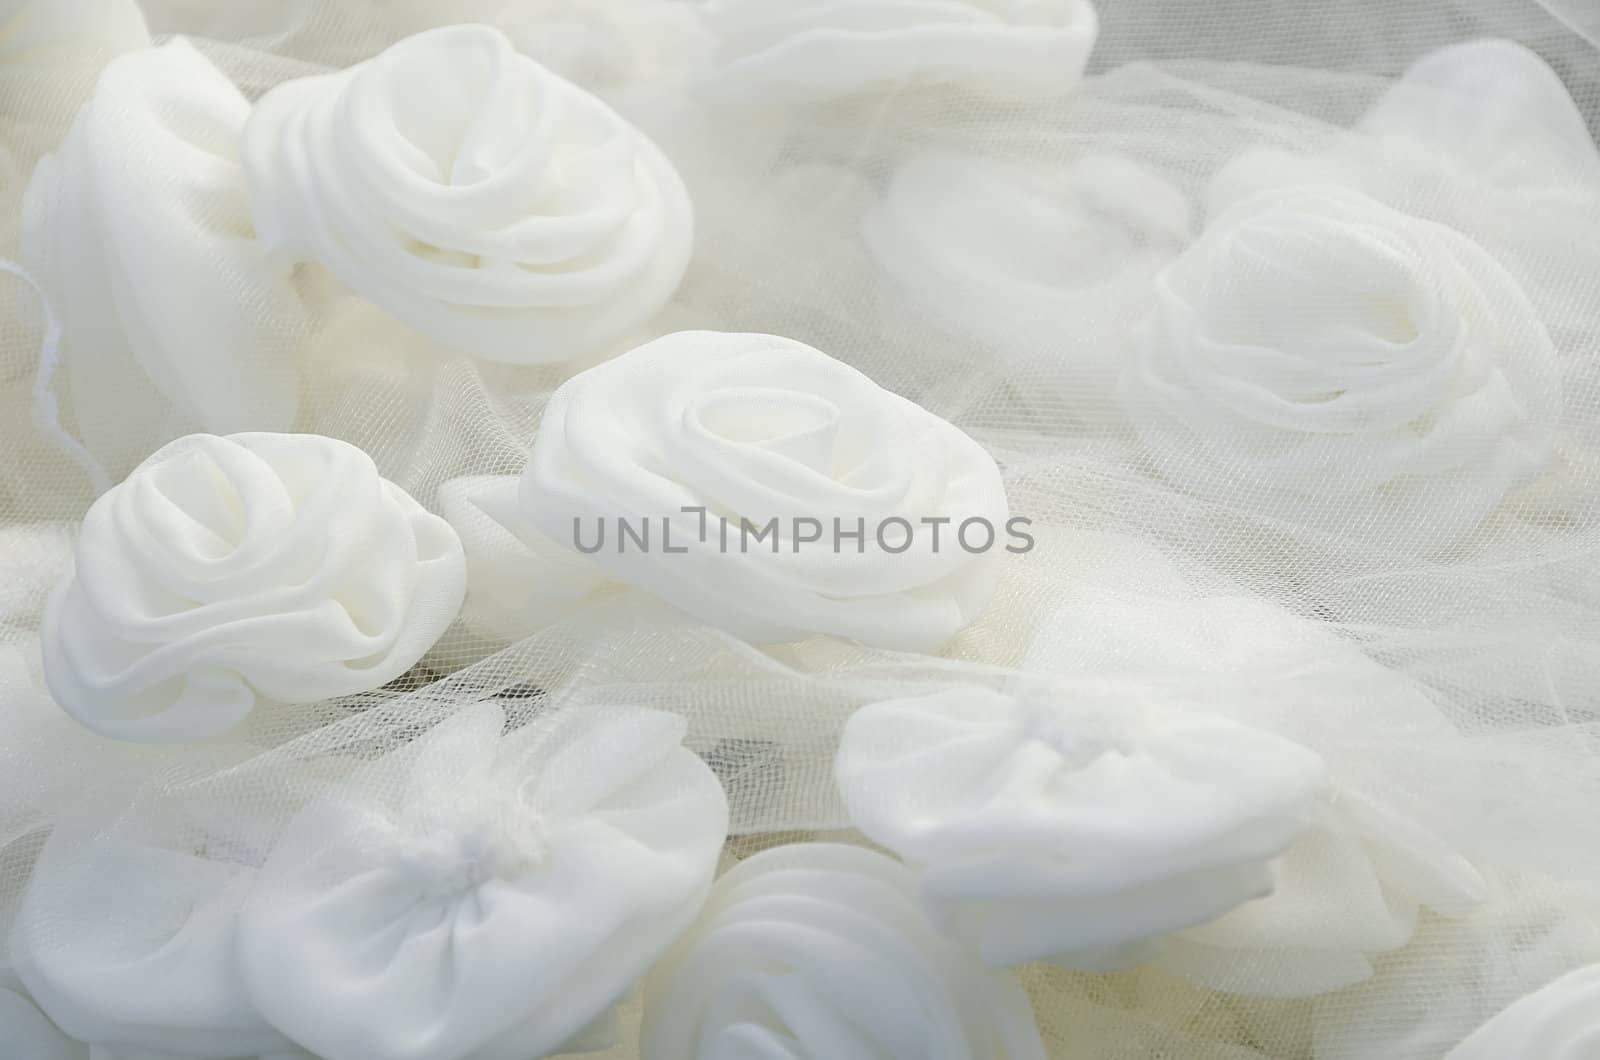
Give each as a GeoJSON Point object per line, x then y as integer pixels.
{"type": "Point", "coordinates": [228, 571]}
{"type": "Point", "coordinates": [1049, 269]}
{"type": "Point", "coordinates": [463, 187]}
{"type": "Point", "coordinates": [518, 581]}
{"type": "Point", "coordinates": [138, 227]}
{"type": "Point", "coordinates": [1559, 1022]}
{"type": "Point", "coordinates": [480, 895]}
{"type": "Point", "coordinates": [819, 950]}
{"type": "Point", "coordinates": [1073, 830]}
{"type": "Point", "coordinates": [1362, 371]}
{"type": "Point", "coordinates": [755, 428]}
{"type": "Point", "coordinates": [799, 50]}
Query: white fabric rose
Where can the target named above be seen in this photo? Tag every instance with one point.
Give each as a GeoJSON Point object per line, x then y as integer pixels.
{"type": "Point", "coordinates": [138, 227]}
{"type": "Point", "coordinates": [1050, 271]}
{"type": "Point", "coordinates": [760, 428]}
{"type": "Point", "coordinates": [1560, 1021]}
{"type": "Point", "coordinates": [1322, 359]}
{"type": "Point", "coordinates": [797, 50]}
{"type": "Point", "coordinates": [1074, 831]}
{"type": "Point", "coordinates": [818, 951]}
{"type": "Point", "coordinates": [257, 567]}
{"type": "Point", "coordinates": [477, 896]}
{"type": "Point", "coordinates": [475, 195]}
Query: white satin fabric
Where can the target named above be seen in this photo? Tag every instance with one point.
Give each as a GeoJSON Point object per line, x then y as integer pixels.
{"type": "Point", "coordinates": [1560, 1021]}
{"type": "Point", "coordinates": [1048, 269]}
{"type": "Point", "coordinates": [1071, 829]}
{"type": "Point", "coordinates": [1321, 358]}
{"type": "Point", "coordinates": [483, 896]}
{"type": "Point", "coordinates": [818, 951]}
{"type": "Point", "coordinates": [757, 427]}
{"type": "Point", "coordinates": [475, 195]}
{"type": "Point", "coordinates": [801, 50]}
{"type": "Point", "coordinates": [138, 227]}
{"type": "Point", "coordinates": [256, 567]}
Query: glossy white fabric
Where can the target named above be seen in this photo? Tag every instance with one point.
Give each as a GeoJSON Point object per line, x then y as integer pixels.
{"type": "Point", "coordinates": [1049, 269]}
{"type": "Point", "coordinates": [1072, 829]}
{"type": "Point", "coordinates": [1560, 1021]}
{"type": "Point", "coordinates": [480, 896]}
{"type": "Point", "coordinates": [138, 227]}
{"type": "Point", "coordinates": [256, 567]}
{"type": "Point", "coordinates": [475, 195]}
{"type": "Point", "coordinates": [818, 951]}
{"type": "Point", "coordinates": [1329, 361]}
{"type": "Point", "coordinates": [799, 50]}
{"type": "Point", "coordinates": [758, 427]}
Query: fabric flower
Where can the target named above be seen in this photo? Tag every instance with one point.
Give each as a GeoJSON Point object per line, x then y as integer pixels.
{"type": "Point", "coordinates": [1073, 831]}
{"type": "Point", "coordinates": [481, 199]}
{"type": "Point", "coordinates": [797, 50]}
{"type": "Point", "coordinates": [126, 935]}
{"type": "Point", "coordinates": [1355, 881]}
{"type": "Point", "coordinates": [224, 571]}
{"type": "Point", "coordinates": [1049, 270]}
{"type": "Point", "coordinates": [479, 895]}
{"type": "Point", "coordinates": [1560, 1021]}
{"type": "Point", "coordinates": [817, 951]}
{"type": "Point", "coordinates": [138, 227]}
{"type": "Point", "coordinates": [765, 433]}
{"type": "Point", "coordinates": [1322, 359]}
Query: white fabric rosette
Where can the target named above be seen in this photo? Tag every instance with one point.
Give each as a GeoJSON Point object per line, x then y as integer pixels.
{"type": "Point", "coordinates": [1356, 879]}
{"type": "Point", "coordinates": [126, 936]}
{"type": "Point", "coordinates": [1051, 269]}
{"type": "Point", "coordinates": [757, 429]}
{"type": "Point", "coordinates": [484, 201]}
{"type": "Point", "coordinates": [818, 951]}
{"type": "Point", "coordinates": [478, 895]}
{"type": "Point", "coordinates": [256, 567]}
{"type": "Point", "coordinates": [799, 50]}
{"type": "Point", "coordinates": [1325, 360]}
{"type": "Point", "coordinates": [138, 227]}
{"type": "Point", "coordinates": [1560, 1021]}
{"type": "Point", "coordinates": [1073, 830]}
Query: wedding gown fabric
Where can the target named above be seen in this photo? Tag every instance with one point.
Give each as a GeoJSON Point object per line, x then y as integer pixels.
{"type": "Point", "coordinates": [1264, 334]}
